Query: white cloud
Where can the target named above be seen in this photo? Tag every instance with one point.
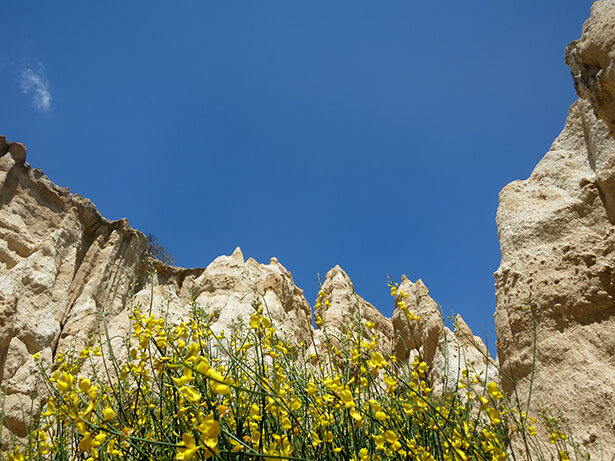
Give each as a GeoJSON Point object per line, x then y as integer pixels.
{"type": "Point", "coordinates": [35, 82]}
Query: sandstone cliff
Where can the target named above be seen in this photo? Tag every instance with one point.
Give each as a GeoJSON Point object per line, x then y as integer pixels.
{"type": "Point", "coordinates": [557, 237]}
{"type": "Point", "coordinates": [62, 265]}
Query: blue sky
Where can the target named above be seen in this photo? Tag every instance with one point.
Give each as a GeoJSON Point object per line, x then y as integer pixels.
{"type": "Point", "coordinates": [373, 135]}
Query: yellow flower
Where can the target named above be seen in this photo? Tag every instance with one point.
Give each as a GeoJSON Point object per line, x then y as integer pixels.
{"type": "Point", "coordinates": [216, 382]}
{"type": "Point", "coordinates": [108, 414]}
{"type": "Point", "coordinates": [193, 350]}
{"type": "Point", "coordinates": [187, 449]}
{"type": "Point", "coordinates": [93, 392]}
{"type": "Point", "coordinates": [256, 320]}
{"type": "Point", "coordinates": [493, 391]}
{"type": "Point", "coordinates": [295, 404]}
{"type": "Point", "coordinates": [285, 422]}
{"type": "Point", "coordinates": [222, 409]}
{"type": "Point", "coordinates": [111, 450]}
{"type": "Point", "coordinates": [374, 404]}
{"type": "Point", "coordinates": [377, 361]}
{"type": "Point", "coordinates": [357, 417]}
{"type": "Point", "coordinates": [391, 383]}
{"type": "Point", "coordinates": [255, 412]}
{"type": "Point", "coordinates": [51, 408]}
{"type": "Point", "coordinates": [86, 443]}
{"type": "Point", "coordinates": [380, 415]}
{"type": "Point", "coordinates": [557, 435]}
{"type": "Point", "coordinates": [65, 382]}
{"type": "Point", "coordinates": [191, 394]}
{"type": "Point", "coordinates": [346, 398]}
{"type": "Point", "coordinates": [99, 439]}
{"type": "Point", "coordinates": [237, 446]}
{"type": "Point", "coordinates": [210, 430]}
{"type": "Point", "coordinates": [202, 365]}
{"type": "Point", "coordinates": [185, 378]}
{"type": "Point", "coordinates": [392, 438]}
{"type": "Point", "coordinates": [494, 415]}
{"type": "Point", "coordinates": [84, 384]}
{"type": "Point", "coordinates": [16, 456]}
{"type": "Point", "coordinates": [379, 439]}
{"type": "Point", "coordinates": [377, 409]}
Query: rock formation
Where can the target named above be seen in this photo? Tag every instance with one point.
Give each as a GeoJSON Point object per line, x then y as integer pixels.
{"type": "Point", "coordinates": [555, 286]}
{"type": "Point", "coordinates": [62, 265]}
{"type": "Point", "coordinates": [65, 271]}
{"type": "Point", "coordinates": [345, 307]}
{"type": "Point", "coordinates": [60, 261]}
{"type": "Point", "coordinates": [427, 332]}
{"type": "Point", "coordinates": [447, 353]}
{"type": "Point", "coordinates": [461, 351]}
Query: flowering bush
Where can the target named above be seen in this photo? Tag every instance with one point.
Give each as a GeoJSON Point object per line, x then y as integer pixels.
{"type": "Point", "coordinates": [185, 393]}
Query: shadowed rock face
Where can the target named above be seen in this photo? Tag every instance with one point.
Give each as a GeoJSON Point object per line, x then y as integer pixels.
{"type": "Point", "coordinates": [592, 61]}
{"type": "Point", "coordinates": [558, 239]}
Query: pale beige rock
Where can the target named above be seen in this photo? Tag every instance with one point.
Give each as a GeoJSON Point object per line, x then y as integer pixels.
{"type": "Point", "coordinates": [459, 351]}
{"type": "Point", "coordinates": [592, 61]}
{"type": "Point", "coordinates": [446, 353]}
{"type": "Point", "coordinates": [557, 239]}
{"type": "Point", "coordinates": [426, 333]}
{"type": "Point", "coordinates": [64, 269]}
{"type": "Point", "coordinates": [348, 310]}
{"type": "Point", "coordinates": [231, 290]}
{"type": "Point", "coordinates": [57, 254]}
{"type": "Point", "coordinates": [18, 409]}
